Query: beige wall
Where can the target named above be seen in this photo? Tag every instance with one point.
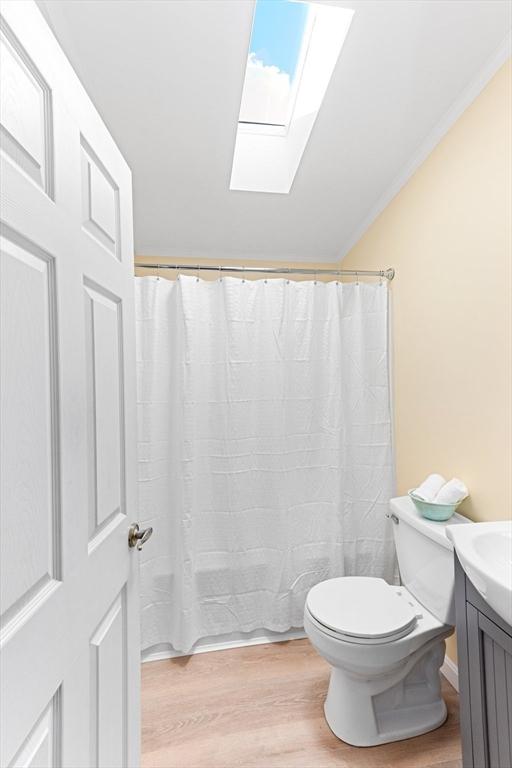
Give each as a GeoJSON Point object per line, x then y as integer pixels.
{"type": "Point", "coordinates": [448, 235]}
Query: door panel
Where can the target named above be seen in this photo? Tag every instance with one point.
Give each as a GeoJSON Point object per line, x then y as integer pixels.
{"type": "Point", "coordinates": [108, 681]}
{"type": "Point", "coordinates": [25, 105]}
{"type": "Point", "coordinates": [30, 544]}
{"type": "Point", "coordinates": [100, 201]}
{"type": "Point", "coordinates": [69, 639]}
{"type": "Point", "coordinates": [104, 378]}
{"type": "Point", "coordinates": [42, 745]}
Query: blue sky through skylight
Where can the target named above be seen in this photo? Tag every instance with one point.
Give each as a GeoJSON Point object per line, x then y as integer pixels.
{"type": "Point", "coordinates": [273, 62]}
{"type": "Point", "coordinates": [277, 33]}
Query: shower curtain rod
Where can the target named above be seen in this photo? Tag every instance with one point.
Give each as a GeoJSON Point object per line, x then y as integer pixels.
{"type": "Point", "coordinates": [387, 273]}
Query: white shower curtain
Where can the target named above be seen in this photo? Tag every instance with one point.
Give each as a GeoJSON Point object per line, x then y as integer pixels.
{"type": "Point", "coordinates": [265, 458]}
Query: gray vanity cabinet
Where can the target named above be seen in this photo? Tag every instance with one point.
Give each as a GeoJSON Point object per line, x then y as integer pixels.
{"type": "Point", "coordinates": [484, 644]}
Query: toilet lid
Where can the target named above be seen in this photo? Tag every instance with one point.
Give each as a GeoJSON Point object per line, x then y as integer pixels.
{"type": "Point", "coordinates": [361, 607]}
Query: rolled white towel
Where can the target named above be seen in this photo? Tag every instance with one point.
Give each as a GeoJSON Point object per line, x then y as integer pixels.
{"type": "Point", "coordinates": [452, 492]}
{"type": "Point", "coordinates": [430, 487]}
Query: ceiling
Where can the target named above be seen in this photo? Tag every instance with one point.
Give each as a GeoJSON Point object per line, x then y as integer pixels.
{"type": "Point", "coordinates": [167, 77]}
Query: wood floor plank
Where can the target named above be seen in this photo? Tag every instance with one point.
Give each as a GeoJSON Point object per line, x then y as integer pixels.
{"type": "Point", "coordinates": [262, 707]}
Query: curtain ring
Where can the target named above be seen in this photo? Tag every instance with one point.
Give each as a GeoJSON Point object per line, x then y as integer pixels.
{"type": "Point", "coordinates": [176, 272]}
{"type": "Point", "coordinates": [157, 271]}
{"type": "Point", "coordinates": [357, 278]}
{"type": "Point", "coordinates": [220, 273]}
{"type": "Point", "coordinates": [243, 274]}
{"type": "Point", "coordinates": [315, 276]}
{"type": "Point", "coordinates": [197, 274]}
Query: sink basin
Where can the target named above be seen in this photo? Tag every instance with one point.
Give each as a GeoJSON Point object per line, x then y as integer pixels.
{"type": "Point", "coordinates": [485, 553]}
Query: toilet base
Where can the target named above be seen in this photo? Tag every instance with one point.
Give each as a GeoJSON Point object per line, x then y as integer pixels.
{"type": "Point", "coordinates": [365, 711]}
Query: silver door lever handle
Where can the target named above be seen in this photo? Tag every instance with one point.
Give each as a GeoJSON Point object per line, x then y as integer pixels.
{"type": "Point", "coordinates": [136, 537]}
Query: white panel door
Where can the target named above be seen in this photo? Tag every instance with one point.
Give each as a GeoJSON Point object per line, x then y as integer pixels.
{"type": "Point", "coordinates": [69, 581]}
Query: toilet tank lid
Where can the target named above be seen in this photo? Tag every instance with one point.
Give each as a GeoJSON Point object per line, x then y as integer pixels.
{"type": "Point", "coordinates": [403, 507]}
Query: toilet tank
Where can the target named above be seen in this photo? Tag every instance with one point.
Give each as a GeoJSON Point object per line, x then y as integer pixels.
{"type": "Point", "coordinates": [425, 557]}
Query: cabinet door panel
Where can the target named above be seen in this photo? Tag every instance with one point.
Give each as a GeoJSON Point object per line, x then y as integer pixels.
{"type": "Point", "coordinates": [476, 690]}
{"type": "Point", "coordinates": [497, 658]}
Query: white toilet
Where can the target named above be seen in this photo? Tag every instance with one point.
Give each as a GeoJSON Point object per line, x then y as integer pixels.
{"type": "Point", "coordinates": [385, 643]}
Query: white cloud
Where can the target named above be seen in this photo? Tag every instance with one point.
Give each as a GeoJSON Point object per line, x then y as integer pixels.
{"type": "Point", "coordinates": [266, 94]}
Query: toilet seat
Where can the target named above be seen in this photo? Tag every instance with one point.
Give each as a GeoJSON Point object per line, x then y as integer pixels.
{"type": "Point", "coordinates": [362, 610]}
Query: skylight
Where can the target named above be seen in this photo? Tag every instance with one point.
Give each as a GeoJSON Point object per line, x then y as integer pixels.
{"type": "Point", "coordinates": [292, 53]}
{"type": "Point", "coordinates": [274, 64]}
